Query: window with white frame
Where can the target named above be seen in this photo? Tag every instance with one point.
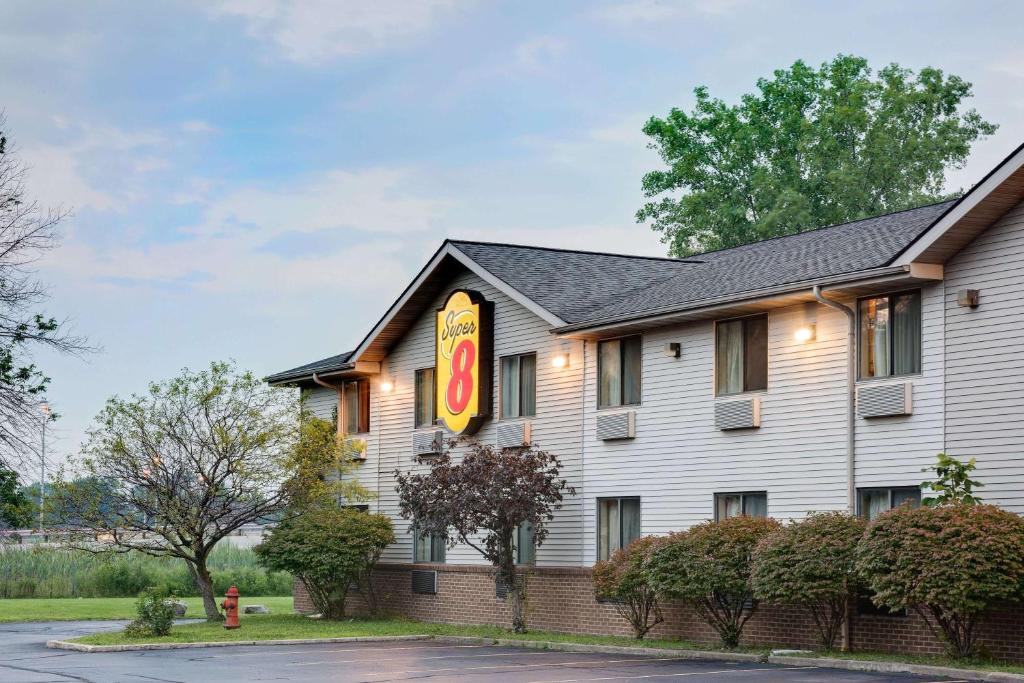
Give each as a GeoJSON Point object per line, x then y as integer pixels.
{"type": "Point", "coordinates": [618, 370]}
{"type": "Point", "coordinates": [426, 413]}
{"type": "Point", "coordinates": [355, 406]}
{"type": "Point", "coordinates": [519, 385]}
{"type": "Point", "coordinates": [428, 548]}
{"type": "Point", "coordinates": [889, 336]}
{"type": "Point", "coordinates": [872, 502]}
{"type": "Point", "coordinates": [618, 524]}
{"type": "Point", "coordinates": [749, 503]}
{"type": "Point", "coordinates": [741, 355]}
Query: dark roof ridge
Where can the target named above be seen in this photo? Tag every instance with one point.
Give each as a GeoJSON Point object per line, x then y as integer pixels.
{"type": "Point", "coordinates": [828, 227]}
{"type": "Point", "coordinates": [572, 251]}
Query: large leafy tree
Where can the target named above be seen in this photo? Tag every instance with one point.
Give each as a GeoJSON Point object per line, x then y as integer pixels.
{"type": "Point", "coordinates": [15, 507]}
{"type": "Point", "coordinates": [482, 501]}
{"type": "Point", "coordinates": [26, 233]}
{"type": "Point", "coordinates": [174, 471]}
{"type": "Point", "coordinates": [811, 147]}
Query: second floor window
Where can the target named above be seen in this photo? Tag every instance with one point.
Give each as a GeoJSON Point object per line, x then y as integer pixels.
{"type": "Point", "coordinates": [741, 355]}
{"type": "Point", "coordinates": [890, 335]}
{"type": "Point", "coordinates": [355, 406]}
{"type": "Point", "coordinates": [425, 393]}
{"type": "Point", "coordinates": [618, 369]}
{"type": "Point", "coordinates": [519, 385]}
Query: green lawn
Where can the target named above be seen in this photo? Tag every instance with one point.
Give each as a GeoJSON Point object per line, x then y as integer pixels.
{"type": "Point", "coordinates": [282, 626]}
{"type": "Point", "coordinates": [74, 609]}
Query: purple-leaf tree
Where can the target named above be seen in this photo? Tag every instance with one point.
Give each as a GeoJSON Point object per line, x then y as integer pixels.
{"type": "Point", "coordinates": [482, 501]}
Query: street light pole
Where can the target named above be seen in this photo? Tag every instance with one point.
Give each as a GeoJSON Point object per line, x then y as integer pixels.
{"type": "Point", "coordinates": [45, 408]}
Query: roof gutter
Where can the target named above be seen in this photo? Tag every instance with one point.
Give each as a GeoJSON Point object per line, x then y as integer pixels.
{"type": "Point", "coordinates": [864, 276]}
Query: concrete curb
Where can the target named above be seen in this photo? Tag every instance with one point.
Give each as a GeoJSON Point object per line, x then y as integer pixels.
{"type": "Point", "coordinates": [900, 667]}
{"type": "Point", "coordinates": [82, 647]}
{"type": "Point", "coordinates": [605, 649]}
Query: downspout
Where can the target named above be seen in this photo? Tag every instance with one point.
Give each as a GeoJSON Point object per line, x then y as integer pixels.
{"type": "Point", "coordinates": [851, 421]}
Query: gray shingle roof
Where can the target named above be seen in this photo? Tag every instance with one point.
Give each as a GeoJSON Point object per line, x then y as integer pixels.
{"type": "Point", "coordinates": [329, 364]}
{"type": "Point", "coordinates": [584, 287]}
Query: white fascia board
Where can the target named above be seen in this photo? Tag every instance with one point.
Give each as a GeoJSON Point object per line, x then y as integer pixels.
{"type": "Point", "coordinates": [971, 200]}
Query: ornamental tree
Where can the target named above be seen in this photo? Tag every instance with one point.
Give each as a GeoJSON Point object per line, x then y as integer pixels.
{"type": "Point", "coordinates": [812, 563]}
{"type": "Point", "coordinates": [482, 501]}
{"type": "Point", "coordinates": [709, 567]}
{"type": "Point", "coordinates": [950, 563]}
{"type": "Point", "coordinates": [622, 579]}
{"type": "Point", "coordinates": [809, 147]}
{"type": "Point", "coordinates": [174, 471]}
{"type": "Point", "coordinates": [329, 549]}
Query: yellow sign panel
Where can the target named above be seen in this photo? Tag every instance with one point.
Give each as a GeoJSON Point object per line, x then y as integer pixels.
{"type": "Point", "coordinates": [463, 361]}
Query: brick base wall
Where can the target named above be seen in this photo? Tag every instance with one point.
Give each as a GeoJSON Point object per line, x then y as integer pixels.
{"type": "Point", "coordinates": [562, 599]}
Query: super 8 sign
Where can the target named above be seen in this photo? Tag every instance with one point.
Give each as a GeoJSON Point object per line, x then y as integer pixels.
{"type": "Point", "coordinates": [463, 361]}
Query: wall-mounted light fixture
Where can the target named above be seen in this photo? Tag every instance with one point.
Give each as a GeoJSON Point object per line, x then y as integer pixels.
{"type": "Point", "coordinates": [387, 386]}
{"type": "Point", "coordinates": [967, 298]}
{"type": "Point", "coordinates": [673, 350]}
{"type": "Point", "coordinates": [560, 360]}
{"type": "Point", "coordinates": [805, 333]}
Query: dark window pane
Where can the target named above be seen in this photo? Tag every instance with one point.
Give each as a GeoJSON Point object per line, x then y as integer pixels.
{"type": "Point", "coordinates": [874, 337]}
{"type": "Point", "coordinates": [728, 505]}
{"type": "Point", "coordinates": [911, 497]}
{"type": "Point", "coordinates": [755, 504]}
{"type": "Point", "coordinates": [350, 407]}
{"type": "Point", "coordinates": [526, 551]}
{"type": "Point", "coordinates": [437, 549]}
{"type": "Point", "coordinates": [755, 358]}
{"type": "Point", "coordinates": [630, 513]}
{"type": "Point", "coordinates": [631, 369]}
{"type": "Point", "coordinates": [425, 414]}
{"type": "Point", "coordinates": [729, 357]}
{"type": "Point", "coordinates": [609, 363]}
{"type": "Point", "coordinates": [363, 388]}
{"type": "Point", "coordinates": [528, 385]}
{"type": "Point", "coordinates": [608, 528]}
{"type": "Point", "coordinates": [906, 334]}
{"type": "Point", "coordinates": [510, 386]}
{"type": "Point", "coordinates": [873, 502]}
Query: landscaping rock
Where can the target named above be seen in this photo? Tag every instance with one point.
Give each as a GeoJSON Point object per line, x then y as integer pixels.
{"type": "Point", "coordinates": [255, 609]}
{"type": "Point", "coordinates": [179, 607]}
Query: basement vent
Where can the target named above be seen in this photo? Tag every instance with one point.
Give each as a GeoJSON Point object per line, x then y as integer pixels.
{"type": "Point", "coordinates": [501, 588]}
{"type": "Point", "coordinates": [514, 434]}
{"type": "Point", "coordinates": [424, 582]}
{"type": "Point", "coordinates": [743, 414]}
{"type": "Point", "coordinates": [883, 400]}
{"type": "Point", "coordinates": [612, 426]}
{"type": "Point", "coordinates": [427, 443]}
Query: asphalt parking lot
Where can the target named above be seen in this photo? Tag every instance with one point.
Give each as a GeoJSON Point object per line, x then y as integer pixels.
{"type": "Point", "coordinates": [25, 659]}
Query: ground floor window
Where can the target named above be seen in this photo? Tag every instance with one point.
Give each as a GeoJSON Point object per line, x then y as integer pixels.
{"type": "Point", "coordinates": [874, 501]}
{"type": "Point", "coordinates": [526, 545]}
{"type": "Point", "coordinates": [618, 524]}
{"type": "Point", "coordinates": [428, 548]}
{"type": "Point", "coordinates": [749, 503]}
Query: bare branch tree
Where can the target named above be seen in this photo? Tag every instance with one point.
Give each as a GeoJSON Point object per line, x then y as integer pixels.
{"type": "Point", "coordinates": [27, 232]}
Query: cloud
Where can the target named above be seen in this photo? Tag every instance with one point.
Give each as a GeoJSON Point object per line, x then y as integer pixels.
{"type": "Point", "coordinates": [538, 54]}
{"type": "Point", "coordinates": [317, 31]}
{"type": "Point", "coordinates": [633, 12]}
{"type": "Point", "coordinates": [197, 127]}
{"type": "Point", "coordinates": [1011, 64]}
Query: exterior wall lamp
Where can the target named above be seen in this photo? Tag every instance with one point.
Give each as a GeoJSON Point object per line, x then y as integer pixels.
{"type": "Point", "coordinates": [560, 360]}
{"type": "Point", "coordinates": [387, 386]}
{"type": "Point", "coordinates": [806, 333]}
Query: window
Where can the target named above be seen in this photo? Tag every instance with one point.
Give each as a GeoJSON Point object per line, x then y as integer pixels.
{"type": "Point", "coordinates": [428, 548]}
{"type": "Point", "coordinates": [355, 406]}
{"type": "Point", "coordinates": [519, 385]}
{"type": "Point", "coordinates": [618, 524]}
{"type": "Point", "coordinates": [426, 414]}
{"type": "Point", "coordinates": [526, 544]}
{"type": "Point", "coordinates": [873, 502]}
{"type": "Point", "coordinates": [890, 335]}
{"type": "Point", "coordinates": [741, 355]}
{"type": "Point", "coordinates": [618, 366]}
{"type": "Point", "coordinates": [751, 504]}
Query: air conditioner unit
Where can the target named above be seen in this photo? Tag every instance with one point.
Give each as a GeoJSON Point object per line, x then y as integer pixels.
{"type": "Point", "coordinates": [426, 443]}
{"type": "Point", "coordinates": [738, 414]}
{"type": "Point", "coordinates": [424, 582]}
{"type": "Point", "coordinates": [613, 426]}
{"type": "Point", "coordinates": [885, 400]}
{"type": "Point", "coordinates": [516, 434]}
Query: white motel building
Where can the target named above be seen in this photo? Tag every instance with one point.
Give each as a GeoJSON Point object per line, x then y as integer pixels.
{"type": "Point", "coordinates": [818, 371]}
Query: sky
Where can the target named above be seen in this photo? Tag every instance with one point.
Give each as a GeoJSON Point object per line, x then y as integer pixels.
{"type": "Point", "coordinates": [258, 180]}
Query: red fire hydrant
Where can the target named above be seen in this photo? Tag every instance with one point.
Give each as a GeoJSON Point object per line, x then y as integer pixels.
{"type": "Point", "coordinates": [230, 607]}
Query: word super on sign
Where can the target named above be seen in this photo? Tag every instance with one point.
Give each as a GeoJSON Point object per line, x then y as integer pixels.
{"type": "Point", "coordinates": [463, 361]}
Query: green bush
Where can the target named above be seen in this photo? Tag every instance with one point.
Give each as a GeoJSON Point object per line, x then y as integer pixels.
{"type": "Point", "coordinates": [811, 563]}
{"type": "Point", "coordinates": [709, 567]}
{"type": "Point", "coordinates": [155, 615]}
{"type": "Point", "coordinates": [329, 549]}
{"type": "Point", "coordinates": [621, 579]}
{"type": "Point", "coordinates": [950, 563]}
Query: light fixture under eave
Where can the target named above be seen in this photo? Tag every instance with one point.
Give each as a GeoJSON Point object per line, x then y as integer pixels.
{"type": "Point", "coordinates": [387, 386]}
{"type": "Point", "coordinates": [560, 360]}
{"type": "Point", "coordinates": [806, 333]}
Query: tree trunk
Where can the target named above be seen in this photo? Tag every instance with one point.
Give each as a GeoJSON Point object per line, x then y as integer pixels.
{"type": "Point", "coordinates": [201, 576]}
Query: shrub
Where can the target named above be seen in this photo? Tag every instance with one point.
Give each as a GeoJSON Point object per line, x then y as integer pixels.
{"type": "Point", "coordinates": [621, 578]}
{"type": "Point", "coordinates": [811, 563]}
{"type": "Point", "coordinates": [708, 566]}
{"type": "Point", "coordinates": [329, 549]}
{"type": "Point", "coordinates": [950, 563]}
{"type": "Point", "coordinates": [155, 615]}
